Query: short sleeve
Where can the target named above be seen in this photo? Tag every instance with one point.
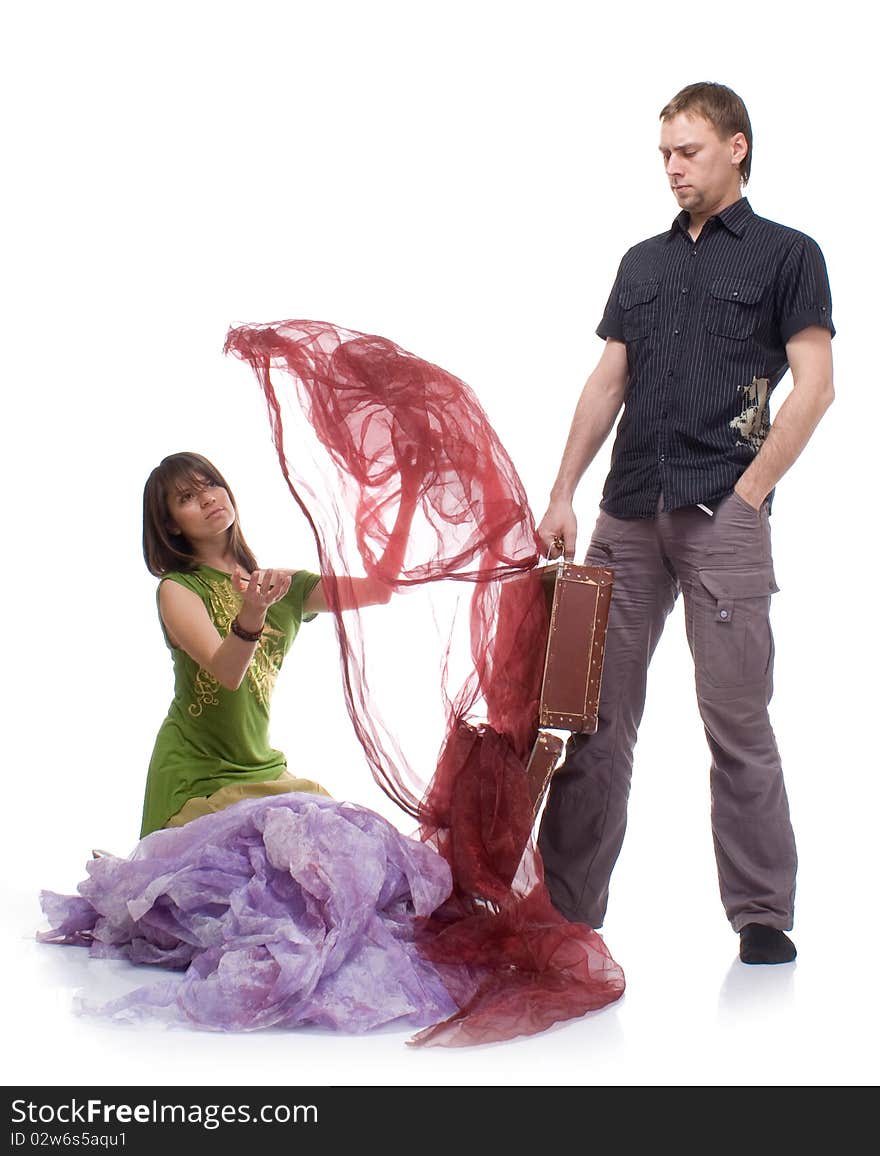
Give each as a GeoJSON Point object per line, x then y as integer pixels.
{"type": "Point", "coordinates": [184, 580]}
{"type": "Point", "coordinates": [302, 584]}
{"type": "Point", "coordinates": [611, 324]}
{"type": "Point", "coordinates": [803, 295]}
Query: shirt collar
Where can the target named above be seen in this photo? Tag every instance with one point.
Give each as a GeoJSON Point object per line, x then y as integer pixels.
{"type": "Point", "coordinates": [734, 218]}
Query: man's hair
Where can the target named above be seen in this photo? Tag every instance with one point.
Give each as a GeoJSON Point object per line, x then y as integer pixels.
{"type": "Point", "coordinates": [722, 108]}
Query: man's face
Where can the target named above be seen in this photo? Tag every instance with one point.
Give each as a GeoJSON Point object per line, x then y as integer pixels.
{"type": "Point", "coordinates": [703, 169]}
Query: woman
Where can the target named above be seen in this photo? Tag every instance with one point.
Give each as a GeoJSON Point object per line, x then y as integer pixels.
{"type": "Point", "coordinates": [229, 625]}
{"type": "Point", "coordinates": [284, 906]}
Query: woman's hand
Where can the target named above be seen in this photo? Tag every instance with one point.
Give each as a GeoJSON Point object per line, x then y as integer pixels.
{"type": "Point", "coordinates": [190, 628]}
{"type": "Point", "coordinates": [258, 591]}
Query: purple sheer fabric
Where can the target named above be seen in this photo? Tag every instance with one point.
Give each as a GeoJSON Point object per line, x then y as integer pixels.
{"type": "Point", "coordinates": [287, 910]}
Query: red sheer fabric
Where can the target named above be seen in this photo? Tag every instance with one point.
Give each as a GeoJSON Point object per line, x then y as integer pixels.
{"type": "Point", "coordinates": [402, 479]}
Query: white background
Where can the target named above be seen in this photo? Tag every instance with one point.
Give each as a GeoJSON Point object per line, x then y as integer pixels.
{"type": "Point", "coordinates": [462, 178]}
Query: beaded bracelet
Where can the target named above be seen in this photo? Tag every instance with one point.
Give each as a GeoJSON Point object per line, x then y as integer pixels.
{"type": "Point", "coordinates": [245, 635]}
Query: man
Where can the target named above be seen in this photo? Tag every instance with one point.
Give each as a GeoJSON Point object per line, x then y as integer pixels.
{"type": "Point", "coordinates": [702, 322]}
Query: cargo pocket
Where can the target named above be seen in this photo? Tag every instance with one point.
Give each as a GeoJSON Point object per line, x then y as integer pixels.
{"type": "Point", "coordinates": [602, 554]}
{"type": "Point", "coordinates": [734, 308]}
{"type": "Point", "coordinates": [606, 535]}
{"type": "Point", "coordinates": [733, 639]}
{"type": "Point", "coordinates": [639, 305]}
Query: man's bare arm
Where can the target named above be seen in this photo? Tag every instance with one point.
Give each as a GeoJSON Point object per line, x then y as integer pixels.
{"type": "Point", "coordinates": [594, 418]}
{"type": "Point", "coordinates": [809, 356]}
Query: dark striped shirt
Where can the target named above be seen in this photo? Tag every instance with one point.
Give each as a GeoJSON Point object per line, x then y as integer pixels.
{"type": "Point", "coordinates": [705, 325]}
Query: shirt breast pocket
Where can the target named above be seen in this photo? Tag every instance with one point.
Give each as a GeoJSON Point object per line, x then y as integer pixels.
{"type": "Point", "coordinates": [639, 305]}
{"type": "Point", "coordinates": [734, 308]}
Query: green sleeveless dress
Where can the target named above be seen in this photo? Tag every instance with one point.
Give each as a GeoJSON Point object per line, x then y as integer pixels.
{"type": "Point", "coordinates": [214, 737]}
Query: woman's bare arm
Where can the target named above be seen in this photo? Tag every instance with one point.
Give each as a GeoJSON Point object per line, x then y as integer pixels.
{"type": "Point", "coordinates": [353, 594]}
{"type": "Point", "coordinates": [190, 628]}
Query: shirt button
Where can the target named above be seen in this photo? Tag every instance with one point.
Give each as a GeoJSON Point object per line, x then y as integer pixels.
{"type": "Point", "coordinates": [684, 290]}
{"type": "Point", "coordinates": [663, 457]}
{"type": "Point", "coordinates": [735, 293]}
{"type": "Point", "coordinates": [723, 614]}
{"type": "Point", "coordinates": [676, 332]}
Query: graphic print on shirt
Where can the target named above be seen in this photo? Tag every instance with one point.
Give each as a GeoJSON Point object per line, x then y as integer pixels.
{"type": "Point", "coordinates": [753, 422]}
{"type": "Point", "coordinates": [264, 666]}
{"type": "Point", "coordinates": [206, 687]}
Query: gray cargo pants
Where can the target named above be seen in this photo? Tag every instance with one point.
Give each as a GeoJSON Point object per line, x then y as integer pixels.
{"type": "Point", "coordinates": [723, 567]}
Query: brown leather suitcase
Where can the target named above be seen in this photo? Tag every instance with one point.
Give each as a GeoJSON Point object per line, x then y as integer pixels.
{"type": "Point", "coordinates": [578, 599]}
{"type": "Point", "coordinates": [541, 765]}
{"type": "Point", "coordinates": [569, 672]}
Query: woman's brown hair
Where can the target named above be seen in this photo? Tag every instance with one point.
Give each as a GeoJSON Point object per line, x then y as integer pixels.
{"type": "Point", "coordinates": [165, 551]}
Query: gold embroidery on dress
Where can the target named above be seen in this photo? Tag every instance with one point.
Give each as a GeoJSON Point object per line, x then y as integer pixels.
{"type": "Point", "coordinates": [753, 422]}
{"type": "Point", "coordinates": [225, 603]}
{"type": "Point", "coordinates": [266, 663]}
{"type": "Point", "coordinates": [206, 687]}
{"type": "Point", "coordinates": [264, 666]}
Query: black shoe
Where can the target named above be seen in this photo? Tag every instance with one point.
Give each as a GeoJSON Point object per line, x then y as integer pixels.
{"type": "Point", "coordinates": [760, 944]}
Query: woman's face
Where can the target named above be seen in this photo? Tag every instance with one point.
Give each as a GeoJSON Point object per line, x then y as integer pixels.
{"type": "Point", "coordinates": [200, 510]}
